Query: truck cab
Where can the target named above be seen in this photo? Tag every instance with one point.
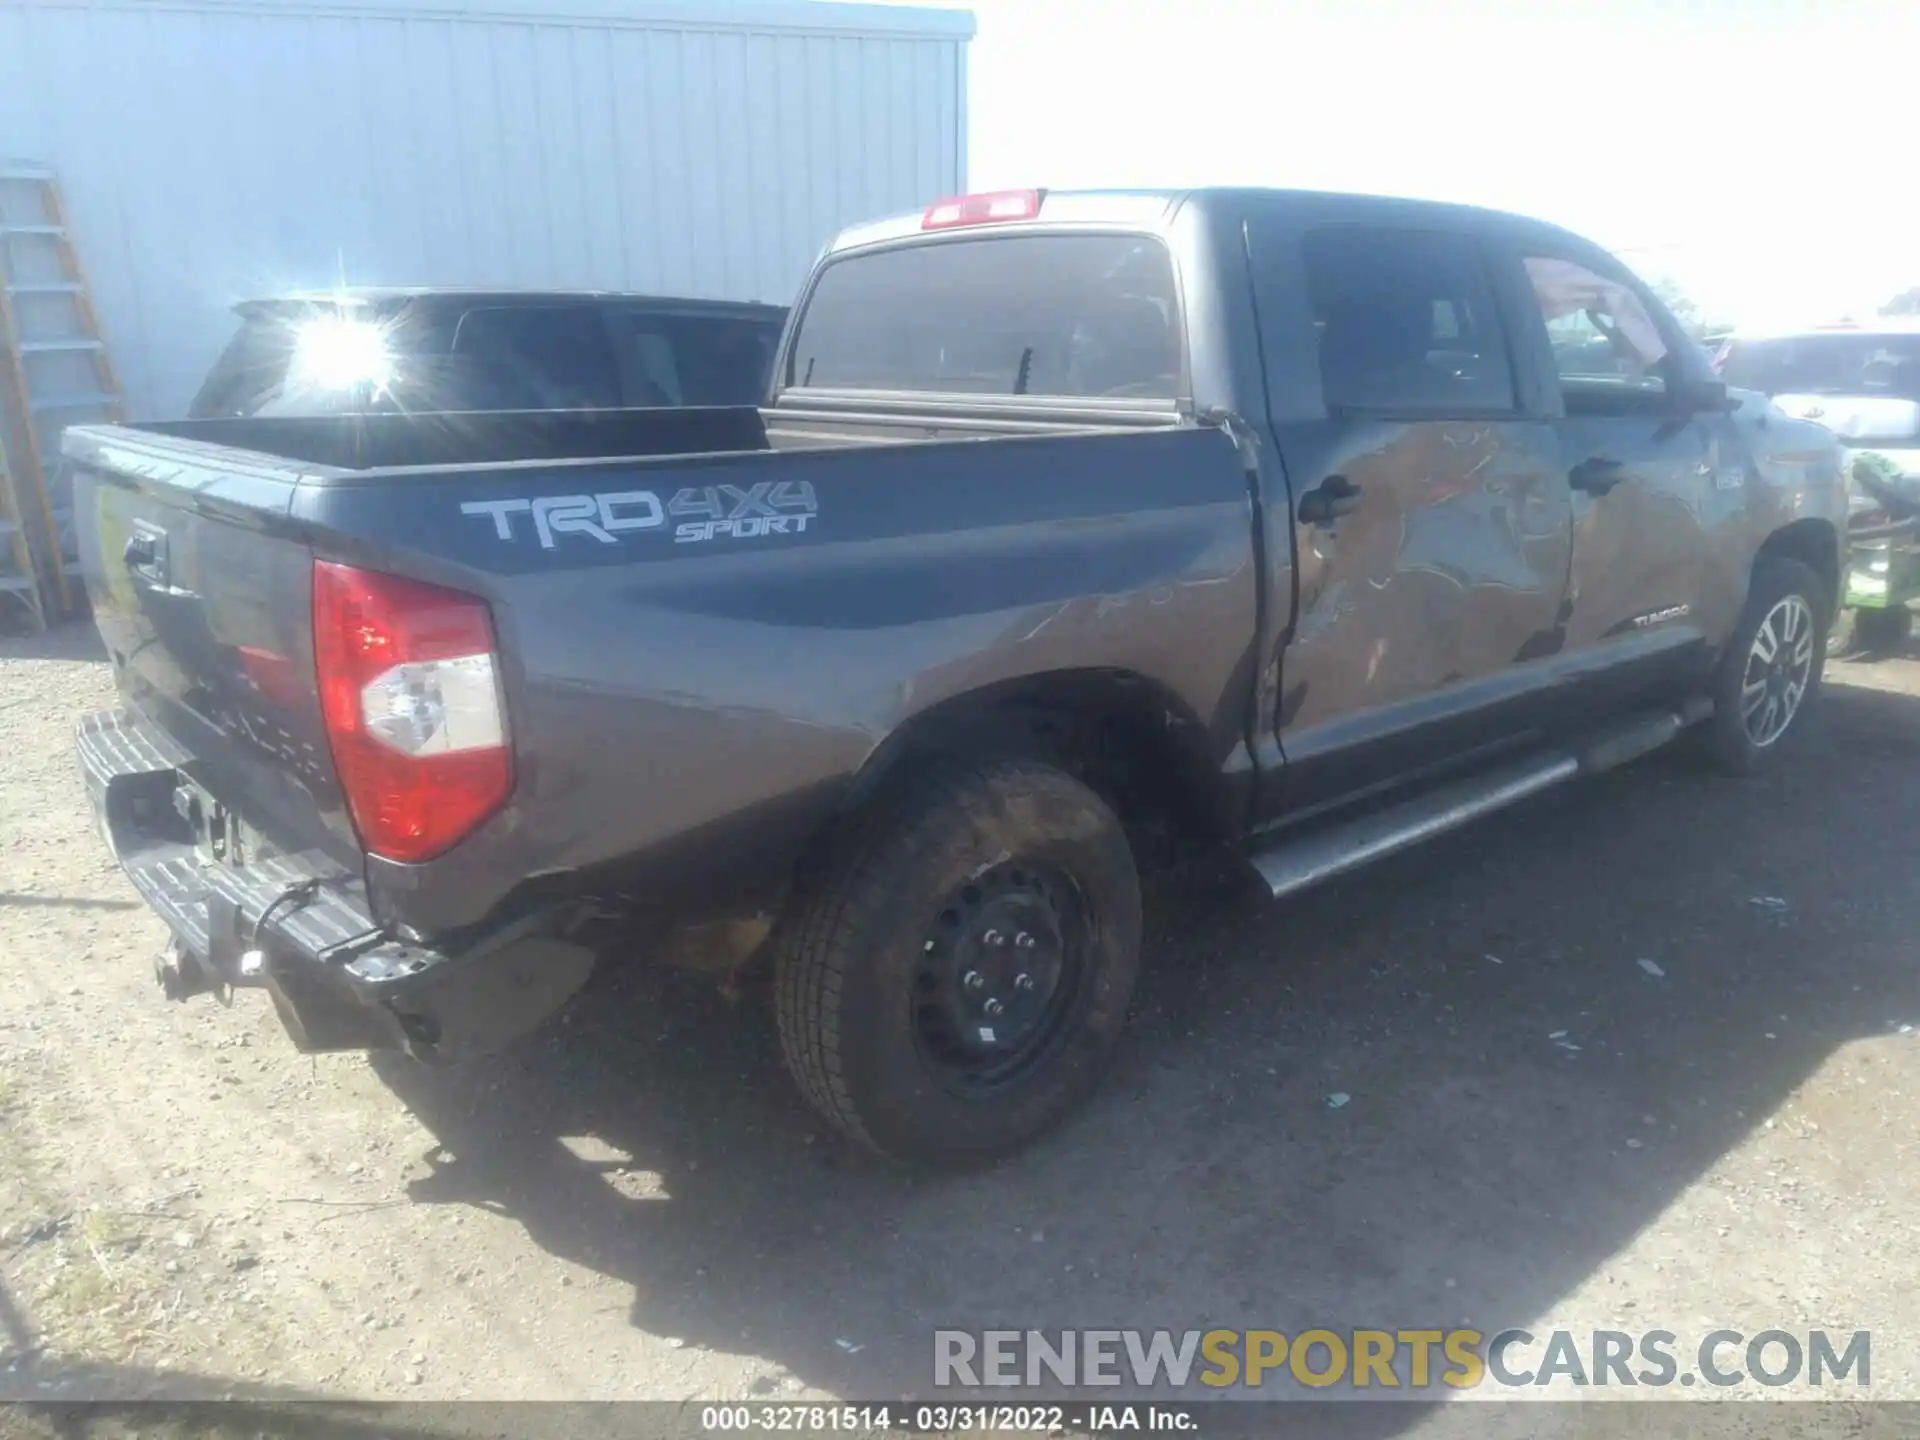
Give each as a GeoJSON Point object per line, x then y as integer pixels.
{"type": "Point", "coordinates": [1496, 487]}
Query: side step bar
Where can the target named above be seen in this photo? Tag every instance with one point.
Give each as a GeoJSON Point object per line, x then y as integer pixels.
{"type": "Point", "coordinates": [1333, 850]}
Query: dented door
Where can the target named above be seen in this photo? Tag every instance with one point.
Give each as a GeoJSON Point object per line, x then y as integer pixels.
{"type": "Point", "coordinates": [1431, 524]}
{"type": "Point", "coordinates": [1645, 479]}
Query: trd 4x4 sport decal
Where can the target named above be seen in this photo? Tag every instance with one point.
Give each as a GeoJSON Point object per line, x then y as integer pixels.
{"type": "Point", "coordinates": [710, 512]}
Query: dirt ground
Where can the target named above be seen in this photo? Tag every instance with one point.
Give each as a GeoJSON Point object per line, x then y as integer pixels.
{"type": "Point", "coordinates": [636, 1204]}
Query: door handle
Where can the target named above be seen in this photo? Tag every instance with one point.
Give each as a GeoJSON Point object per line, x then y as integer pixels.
{"type": "Point", "coordinates": [1596, 475]}
{"type": "Point", "coordinates": [1329, 500]}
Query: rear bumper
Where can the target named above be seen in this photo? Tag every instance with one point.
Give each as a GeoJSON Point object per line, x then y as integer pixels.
{"type": "Point", "coordinates": [299, 932]}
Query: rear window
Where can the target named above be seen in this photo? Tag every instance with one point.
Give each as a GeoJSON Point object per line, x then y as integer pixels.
{"type": "Point", "coordinates": [325, 359]}
{"type": "Point", "coordinates": [1056, 315]}
{"type": "Point", "coordinates": [322, 358]}
{"type": "Point", "coordinates": [695, 359]}
{"type": "Point", "coordinates": [252, 368]}
{"type": "Point", "coordinates": [523, 357]}
{"type": "Point", "coordinates": [1859, 365]}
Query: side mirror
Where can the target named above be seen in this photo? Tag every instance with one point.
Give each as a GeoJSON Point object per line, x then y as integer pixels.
{"type": "Point", "coordinates": [1694, 397]}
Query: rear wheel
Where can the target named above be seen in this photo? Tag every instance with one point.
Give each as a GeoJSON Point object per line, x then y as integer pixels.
{"type": "Point", "coordinates": [1769, 674]}
{"type": "Point", "coordinates": [956, 977]}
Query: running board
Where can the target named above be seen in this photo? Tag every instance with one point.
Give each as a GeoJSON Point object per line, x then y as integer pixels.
{"type": "Point", "coordinates": [1324, 853]}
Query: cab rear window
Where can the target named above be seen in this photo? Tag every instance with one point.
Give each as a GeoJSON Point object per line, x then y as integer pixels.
{"type": "Point", "coordinates": [1045, 315]}
{"type": "Point", "coordinates": [439, 354]}
{"type": "Point", "coordinates": [251, 369]}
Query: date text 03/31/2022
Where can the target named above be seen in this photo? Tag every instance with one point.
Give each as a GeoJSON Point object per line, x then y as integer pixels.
{"type": "Point", "coordinates": [942, 1419]}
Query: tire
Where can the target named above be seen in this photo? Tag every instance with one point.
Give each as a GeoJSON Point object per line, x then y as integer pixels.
{"type": "Point", "coordinates": [1880, 632]}
{"type": "Point", "coordinates": [937, 902]}
{"type": "Point", "coordinates": [1744, 737]}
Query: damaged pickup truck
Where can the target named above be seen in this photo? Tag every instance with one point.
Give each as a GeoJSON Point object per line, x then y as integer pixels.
{"type": "Point", "coordinates": [1308, 525]}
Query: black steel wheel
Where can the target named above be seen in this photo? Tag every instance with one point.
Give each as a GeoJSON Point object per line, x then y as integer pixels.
{"type": "Point", "coordinates": [997, 976]}
{"type": "Point", "coordinates": [954, 977]}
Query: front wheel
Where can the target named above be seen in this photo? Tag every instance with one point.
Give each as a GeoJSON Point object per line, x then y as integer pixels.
{"type": "Point", "coordinates": [956, 977]}
{"type": "Point", "coordinates": [1769, 674]}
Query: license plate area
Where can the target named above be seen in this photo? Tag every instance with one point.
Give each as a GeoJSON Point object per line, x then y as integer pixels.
{"type": "Point", "coordinates": [218, 836]}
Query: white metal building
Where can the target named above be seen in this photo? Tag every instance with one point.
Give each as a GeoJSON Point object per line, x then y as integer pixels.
{"type": "Point", "coordinates": [214, 150]}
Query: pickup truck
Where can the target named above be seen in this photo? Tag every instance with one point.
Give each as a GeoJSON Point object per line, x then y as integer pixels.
{"type": "Point", "coordinates": [1307, 525]}
{"type": "Point", "coordinates": [378, 349]}
{"type": "Point", "coordinates": [1862, 382]}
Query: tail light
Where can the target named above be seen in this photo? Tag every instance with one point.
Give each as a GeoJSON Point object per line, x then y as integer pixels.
{"type": "Point", "coordinates": [410, 690]}
{"type": "Point", "coordinates": [983, 209]}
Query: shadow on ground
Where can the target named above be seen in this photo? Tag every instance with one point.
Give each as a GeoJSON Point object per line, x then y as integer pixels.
{"type": "Point", "coordinates": [258, 1412]}
{"type": "Point", "coordinates": [1478, 1172]}
{"type": "Point", "coordinates": [70, 640]}
{"type": "Point", "coordinates": [69, 902]}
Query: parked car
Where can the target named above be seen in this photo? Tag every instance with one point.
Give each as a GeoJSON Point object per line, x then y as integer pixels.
{"type": "Point", "coordinates": [1862, 382]}
{"type": "Point", "coordinates": [1259, 519]}
{"type": "Point", "coordinates": [385, 350]}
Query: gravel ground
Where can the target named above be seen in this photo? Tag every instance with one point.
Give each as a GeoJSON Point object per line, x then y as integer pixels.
{"type": "Point", "coordinates": [635, 1204]}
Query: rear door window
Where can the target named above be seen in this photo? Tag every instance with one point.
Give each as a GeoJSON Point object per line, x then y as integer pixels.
{"type": "Point", "coordinates": [1049, 315]}
{"type": "Point", "coordinates": [1406, 321]}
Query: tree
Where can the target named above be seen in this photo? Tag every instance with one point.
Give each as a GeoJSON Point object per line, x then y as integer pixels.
{"type": "Point", "coordinates": [1672, 295]}
{"type": "Point", "coordinates": [1907, 302]}
{"type": "Point", "coordinates": [1698, 323]}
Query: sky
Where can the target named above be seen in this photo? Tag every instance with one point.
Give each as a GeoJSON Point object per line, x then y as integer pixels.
{"type": "Point", "coordinates": [1763, 154]}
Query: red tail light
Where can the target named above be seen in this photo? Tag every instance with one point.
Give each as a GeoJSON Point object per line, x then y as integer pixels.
{"type": "Point", "coordinates": [409, 687]}
{"type": "Point", "coordinates": [983, 209]}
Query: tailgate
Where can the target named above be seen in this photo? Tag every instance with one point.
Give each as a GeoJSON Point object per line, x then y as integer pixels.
{"type": "Point", "coordinates": [203, 597]}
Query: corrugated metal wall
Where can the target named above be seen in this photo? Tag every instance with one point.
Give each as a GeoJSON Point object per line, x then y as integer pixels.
{"type": "Point", "coordinates": [213, 150]}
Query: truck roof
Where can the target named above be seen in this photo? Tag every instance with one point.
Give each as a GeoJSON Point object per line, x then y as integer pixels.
{"type": "Point", "coordinates": [1154, 209]}
{"type": "Point", "coordinates": [377, 295]}
{"type": "Point", "coordinates": [1878, 325]}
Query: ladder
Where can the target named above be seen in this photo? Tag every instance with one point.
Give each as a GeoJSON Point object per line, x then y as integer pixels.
{"type": "Point", "coordinates": [54, 370]}
{"type": "Point", "coordinates": [19, 585]}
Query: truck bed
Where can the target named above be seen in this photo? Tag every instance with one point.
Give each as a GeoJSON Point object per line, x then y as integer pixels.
{"type": "Point", "coordinates": [483, 439]}
{"type": "Point", "coordinates": [707, 620]}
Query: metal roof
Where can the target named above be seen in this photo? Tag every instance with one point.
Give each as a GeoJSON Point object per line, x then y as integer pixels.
{"type": "Point", "coordinates": [1877, 325]}
{"type": "Point", "coordinates": [804, 17]}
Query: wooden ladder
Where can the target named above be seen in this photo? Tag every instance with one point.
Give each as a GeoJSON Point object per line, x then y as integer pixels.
{"type": "Point", "coordinates": [54, 370]}
{"type": "Point", "coordinates": [19, 575]}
